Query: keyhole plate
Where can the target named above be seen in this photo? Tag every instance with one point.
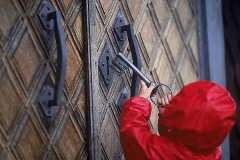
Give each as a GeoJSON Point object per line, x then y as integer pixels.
{"type": "Point", "coordinates": [104, 63]}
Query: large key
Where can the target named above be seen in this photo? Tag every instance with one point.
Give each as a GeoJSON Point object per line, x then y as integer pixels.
{"type": "Point", "coordinates": [123, 63]}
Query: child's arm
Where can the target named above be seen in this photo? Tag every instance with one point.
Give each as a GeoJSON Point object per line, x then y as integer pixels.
{"type": "Point", "coordinates": [137, 141]}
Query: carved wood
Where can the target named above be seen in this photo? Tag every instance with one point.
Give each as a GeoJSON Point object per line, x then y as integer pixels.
{"type": "Point", "coordinates": [86, 124]}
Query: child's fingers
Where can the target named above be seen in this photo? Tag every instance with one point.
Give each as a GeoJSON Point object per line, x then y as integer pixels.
{"type": "Point", "coordinates": [163, 102]}
{"type": "Point", "coordinates": [151, 87]}
{"type": "Point", "coordinates": [169, 96]}
{"type": "Point", "coordinates": [159, 101]}
{"type": "Point", "coordinates": [166, 100]}
{"type": "Point", "coordinates": [143, 84]}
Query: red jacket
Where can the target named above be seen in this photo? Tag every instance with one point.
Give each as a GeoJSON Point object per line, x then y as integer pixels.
{"type": "Point", "coordinates": [193, 125]}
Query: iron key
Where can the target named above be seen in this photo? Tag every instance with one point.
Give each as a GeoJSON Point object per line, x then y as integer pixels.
{"type": "Point", "coordinates": [142, 76]}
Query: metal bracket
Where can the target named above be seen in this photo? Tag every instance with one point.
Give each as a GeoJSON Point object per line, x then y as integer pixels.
{"type": "Point", "coordinates": [44, 100]}
{"type": "Point", "coordinates": [119, 34]}
{"type": "Point", "coordinates": [43, 16]}
{"type": "Point", "coordinates": [47, 24]}
{"type": "Point", "coordinates": [122, 98]}
{"type": "Point", "coordinates": [104, 63]}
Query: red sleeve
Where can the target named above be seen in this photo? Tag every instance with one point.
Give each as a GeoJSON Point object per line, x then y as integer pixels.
{"type": "Point", "coordinates": [137, 141]}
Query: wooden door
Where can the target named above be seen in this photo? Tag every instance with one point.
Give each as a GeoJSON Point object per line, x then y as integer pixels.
{"type": "Point", "coordinates": [27, 61]}
{"type": "Point", "coordinates": [166, 34]}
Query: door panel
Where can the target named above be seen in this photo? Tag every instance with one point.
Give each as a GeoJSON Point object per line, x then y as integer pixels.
{"type": "Point", "coordinates": [27, 62]}
{"type": "Point", "coordinates": [166, 34]}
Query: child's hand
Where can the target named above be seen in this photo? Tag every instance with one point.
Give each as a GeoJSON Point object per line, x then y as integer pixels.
{"type": "Point", "coordinates": [163, 101]}
{"type": "Point", "coordinates": [145, 92]}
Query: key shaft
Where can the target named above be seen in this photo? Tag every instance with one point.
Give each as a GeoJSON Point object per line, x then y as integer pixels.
{"type": "Point", "coordinates": [135, 69]}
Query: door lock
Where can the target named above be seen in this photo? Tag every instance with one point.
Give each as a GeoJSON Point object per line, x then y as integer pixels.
{"type": "Point", "coordinates": [104, 63]}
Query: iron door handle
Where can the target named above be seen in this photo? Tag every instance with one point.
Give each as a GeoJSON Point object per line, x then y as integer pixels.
{"type": "Point", "coordinates": [119, 28]}
{"type": "Point", "coordinates": [120, 63]}
{"type": "Point", "coordinates": [62, 58]}
{"type": "Point", "coordinates": [51, 98]}
{"type": "Point", "coordinates": [135, 56]}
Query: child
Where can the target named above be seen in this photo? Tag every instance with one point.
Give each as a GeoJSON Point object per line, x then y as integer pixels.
{"type": "Point", "coordinates": [192, 125]}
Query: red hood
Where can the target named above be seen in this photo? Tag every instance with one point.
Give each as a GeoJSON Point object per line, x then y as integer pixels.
{"type": "Point", "coordinates": [199, 116]}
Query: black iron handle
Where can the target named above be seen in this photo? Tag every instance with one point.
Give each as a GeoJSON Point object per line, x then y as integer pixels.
{"type": "Point", "coordinates": [120, 63]}
{"type": "Point", "coordinates": [51, 98]}
{"type": "Point", "coordinates": [135, 56]}
{"type": "Point", "coordinates": [136, 66]}
{"type": "Point", "coordinates": [62, 58]}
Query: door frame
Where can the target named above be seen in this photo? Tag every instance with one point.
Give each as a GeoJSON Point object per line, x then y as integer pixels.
{"type": "Point", "coordinates": [92, 91]}
{"type": "Point", "coordinates": [211, 49]}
